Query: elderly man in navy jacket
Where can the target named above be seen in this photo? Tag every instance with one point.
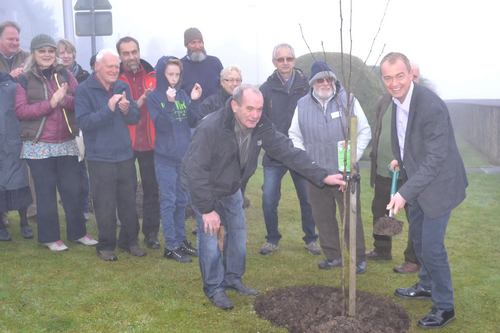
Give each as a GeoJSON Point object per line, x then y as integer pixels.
{"type": "Point", "coordinates": [104, 107]}
{"type": "Point", "coordinates": [434, 182]}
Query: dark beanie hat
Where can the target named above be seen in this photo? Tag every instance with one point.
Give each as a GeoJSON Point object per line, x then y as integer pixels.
{"type": "Point", "coordinates": [319, 70]}
{"type": "Point", "coordinates": [42, 40]}
{"type": "Point", "coordinates": [192, 34]}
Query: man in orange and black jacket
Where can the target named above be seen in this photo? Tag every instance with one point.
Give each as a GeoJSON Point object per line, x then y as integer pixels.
{"type": "Point", "coordinates": [141, 78]}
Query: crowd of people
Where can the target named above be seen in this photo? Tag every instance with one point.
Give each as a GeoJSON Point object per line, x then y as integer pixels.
{"type": "Point", "coordinates": [196, 132]}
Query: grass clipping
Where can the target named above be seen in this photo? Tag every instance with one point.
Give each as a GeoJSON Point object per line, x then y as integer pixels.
{"type": "Point", "coordinates": [387, 226]}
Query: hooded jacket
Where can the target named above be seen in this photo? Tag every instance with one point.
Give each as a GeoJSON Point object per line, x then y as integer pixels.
{"type": "Point", "coordinates": [13, 169]}
{"type": "Point", "coordinates": [172, 120]}
{"type": "Point", "coordinates": [143, 134]}
{"type": "Point", "coordinates": [211, 168]}
{"type": "Point", "coordinates": [105, 132]}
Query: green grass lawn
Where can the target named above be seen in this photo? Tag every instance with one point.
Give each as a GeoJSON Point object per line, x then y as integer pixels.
{"type": "Point", "coordinates": [74, 291]}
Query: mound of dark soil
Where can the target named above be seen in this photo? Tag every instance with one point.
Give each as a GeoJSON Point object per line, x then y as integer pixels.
{"type": "Point", "coordinates": [318, 310]}
{"type": "Point", "coordinates": [388, 226]}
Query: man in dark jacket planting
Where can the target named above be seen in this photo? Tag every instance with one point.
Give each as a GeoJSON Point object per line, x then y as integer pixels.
{"type": "Point", "coordinates": [221, 158]}
{"type": "Point", "coordinates": [281, 92]}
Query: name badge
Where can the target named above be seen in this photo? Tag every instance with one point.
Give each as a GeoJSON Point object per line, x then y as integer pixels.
{"type": "Point", "coordinates": [335, 114]}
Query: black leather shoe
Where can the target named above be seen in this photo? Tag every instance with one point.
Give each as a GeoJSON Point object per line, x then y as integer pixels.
{"type": "Point", "coordinates": [4, 235]}
{"type": "Point", "coordinates": [27, 232]}
{"type": "Point", "coordinates": [242, 289]}
{"type": "Point", "coordinates": [437, 318]}
{"type": "Point", "coordinates": [415, 292]}
{"type": "Point", "coordinates": [221, 301]}
{"type": "Point", "coordinates": [152, 241]}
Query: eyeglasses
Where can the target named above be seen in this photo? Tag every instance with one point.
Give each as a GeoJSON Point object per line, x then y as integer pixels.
{"type": "Point", "coordinates": [328, 79]}
{"type": "Point", "coordinates": [288, 59]}
{"type": "Point", "coordinates": [233, 80]}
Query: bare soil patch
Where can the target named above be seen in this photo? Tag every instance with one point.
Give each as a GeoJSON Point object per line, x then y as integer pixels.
{"type": "Point", "coordinates": [317, 309]}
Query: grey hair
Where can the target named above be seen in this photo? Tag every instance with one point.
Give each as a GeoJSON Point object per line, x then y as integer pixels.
{"type": "Point", "coordinates": [280, 46]}
{"type": "Point", "coordinates": [240, 90]}
{"type": "Point", "coordinates": [103, 52]}
{"type": "Point", "coordinates": [226, 70]}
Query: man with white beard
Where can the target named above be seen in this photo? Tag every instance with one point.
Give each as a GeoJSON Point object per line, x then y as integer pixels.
{"type": "Point", "coordinates": [319, 128]}
{"type": "Point", "coordinates": [198, 67]}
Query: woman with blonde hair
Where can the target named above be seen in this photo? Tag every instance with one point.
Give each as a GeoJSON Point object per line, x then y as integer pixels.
{"type": "Point", "coordinates": [45, 105]}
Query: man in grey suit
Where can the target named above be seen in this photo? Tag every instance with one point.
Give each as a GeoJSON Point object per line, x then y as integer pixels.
{"type": "Point", "coordinates": [434, 182]}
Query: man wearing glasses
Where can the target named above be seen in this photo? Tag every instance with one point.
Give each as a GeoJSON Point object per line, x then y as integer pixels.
{"type": "Point", "coordinates": [319, 128]}
{"type": "Point", "coordinates": [281, 92]}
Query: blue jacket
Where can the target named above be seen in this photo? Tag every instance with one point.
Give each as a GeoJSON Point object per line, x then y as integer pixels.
{"type": "Point", "coordinates": [105, 133]}
{"type": "Point", "coordinates": [172, 121]}
{"type": "Point", "coordinates": [13, 169]}
{"type": "Point", "coordinates": [205, 73]}
{"type": "Point", "coordinates": [280, 104]}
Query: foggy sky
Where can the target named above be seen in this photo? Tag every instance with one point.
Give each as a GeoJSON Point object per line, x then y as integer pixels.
{"type": "Point", "coordinates": [454, 42]}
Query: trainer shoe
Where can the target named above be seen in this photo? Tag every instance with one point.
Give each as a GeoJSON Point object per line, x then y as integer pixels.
{"type": "Point", "coordinates": [134, 250]}
{"type": "Point", "coordinates": [326, 264]}
{"type": "Point", "coordinates": [268, 248]}
{"type": "Point", "coordinates": [56, 246]}
{"type": "Point", "coordinates": [361, 267]}
{"type": "Point", "coordinates": [176, 254]}
{"type": "Point", "coordinates": [314, 248]}
{"type": "Point", "coordinates": [107, 255]}
{"type": "Point", "coordinates": [87, 240]}
{"type": "Point", "coordinates": [188, 249]}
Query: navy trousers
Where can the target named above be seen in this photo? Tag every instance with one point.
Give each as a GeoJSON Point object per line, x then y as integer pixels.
{"type": "Point", "coordinates": [428, 240]}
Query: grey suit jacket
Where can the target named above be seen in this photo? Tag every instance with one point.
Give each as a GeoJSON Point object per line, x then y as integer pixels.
{"type": "Point", "coordinates": [433, 172]}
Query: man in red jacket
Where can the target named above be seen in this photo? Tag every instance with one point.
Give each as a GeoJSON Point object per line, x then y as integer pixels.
{"type": "Point", "coordinates": [141, 78]}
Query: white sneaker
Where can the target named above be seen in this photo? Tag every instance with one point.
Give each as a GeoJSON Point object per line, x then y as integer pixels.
{"type": "Point", "coordinates": [57, 246]}
{"type": "Point", "coordinates": [87, 240]}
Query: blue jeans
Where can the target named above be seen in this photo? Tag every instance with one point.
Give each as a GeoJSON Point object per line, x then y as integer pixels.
{"type": "Point", "coordinates": [217, 270]}
{"type": "Point", "coordinates": [173, 204]}
{"type": "Point", "coordinates": [428, 240]}
{"type": "Point", "coordinates": [271, 194]}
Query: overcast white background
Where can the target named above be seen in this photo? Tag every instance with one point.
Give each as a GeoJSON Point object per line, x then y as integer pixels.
{"type": "Point", "coordinates": [455, 42]}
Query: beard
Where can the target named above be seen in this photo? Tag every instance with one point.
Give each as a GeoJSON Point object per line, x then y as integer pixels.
{"type": "Point", "coordinates": [324, 94]}
{"type": "Point", "coordinates": [197, 57]}
{"type": "Point", "coordinates": [133, 65]}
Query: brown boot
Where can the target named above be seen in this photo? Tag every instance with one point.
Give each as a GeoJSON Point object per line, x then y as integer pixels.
{"type": "Point", "coordinates": [220, 237]}
{"type": "Point", "coordinates": [407, 268]}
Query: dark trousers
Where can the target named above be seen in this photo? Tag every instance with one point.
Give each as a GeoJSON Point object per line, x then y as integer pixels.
{"type": "Point", "coordinates": [383, 244]}
{"type": "Point", "coordinates": [84, 176]}
{"type": "Point", "coordinates": [150, 200]}
{"type": "Point", "coordinates": [60, 173]}
{"type": "Point", "coordinates": [113, 186]}
{"type": "Point", "coordinates": [428, 238]}
{"type": "Point", "coordinates": [323, 202]}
